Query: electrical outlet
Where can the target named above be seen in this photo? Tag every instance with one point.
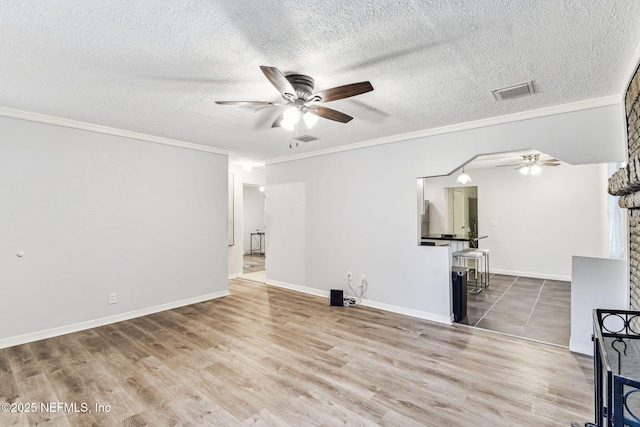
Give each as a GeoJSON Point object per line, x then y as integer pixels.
{"type": "Point", "coordinates": [113, 298]}
{"type": "Point", "coordinates": [492, 223]}
{"type": "Point", "coordinates": [363, 277]}
{"type": "Point", "coordinates": [348, 275]}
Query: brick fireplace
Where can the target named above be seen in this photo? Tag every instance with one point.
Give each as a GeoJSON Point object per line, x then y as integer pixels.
{"type": "Point", "coordinates": [626, 184]}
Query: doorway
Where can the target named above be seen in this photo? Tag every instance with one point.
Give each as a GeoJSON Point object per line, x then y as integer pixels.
{"type": "Point", "coordinates": [254, 233]}
{"type": "Point", "coordinates": [462, 210]}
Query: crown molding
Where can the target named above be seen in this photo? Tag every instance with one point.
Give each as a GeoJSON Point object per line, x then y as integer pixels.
{"type": "Point", "coordinates": [73, 124]}
{"type": "Point", "coordinates": [516, 117]}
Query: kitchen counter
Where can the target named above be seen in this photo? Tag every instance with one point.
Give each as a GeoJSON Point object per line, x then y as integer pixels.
{"type": "Point", "coordinates": [451, 237]}
{"type": "Point", "coordinates": [456, 242]}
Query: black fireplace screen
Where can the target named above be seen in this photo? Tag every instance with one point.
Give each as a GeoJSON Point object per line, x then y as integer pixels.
{"type": "Point", "coordinates": [616, 341]}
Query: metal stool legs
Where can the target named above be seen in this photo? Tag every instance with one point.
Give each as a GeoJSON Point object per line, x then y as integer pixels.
{"type": "Point", "coordinates": [485, 261]}
{"type": "Point", "coordinates": [474, 255]}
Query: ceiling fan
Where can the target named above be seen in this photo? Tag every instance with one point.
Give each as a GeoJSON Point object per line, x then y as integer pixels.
{"type": "Point", "coordinates": [531, 164]}
{"type": "Point", "coordinates": [302, 102]}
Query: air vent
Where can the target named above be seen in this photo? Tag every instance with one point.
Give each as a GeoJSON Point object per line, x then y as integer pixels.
{"type": "Point", "coordinates": [305, 138]}
{"type": "Point", "coordinates": [511, 92]}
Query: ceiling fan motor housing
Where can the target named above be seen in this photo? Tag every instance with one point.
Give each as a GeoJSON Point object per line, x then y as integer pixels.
{"type": "Point", "coordinates": [302, 84]}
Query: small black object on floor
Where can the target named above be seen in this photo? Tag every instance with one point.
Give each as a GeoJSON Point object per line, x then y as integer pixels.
{"type": "Point", "coordinates": [337, 298]}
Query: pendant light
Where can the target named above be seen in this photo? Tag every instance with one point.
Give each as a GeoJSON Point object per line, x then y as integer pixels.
{"type": "Point", "coordinates": [463, 178]}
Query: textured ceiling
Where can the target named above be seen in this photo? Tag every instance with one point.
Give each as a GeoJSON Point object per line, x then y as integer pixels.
{"type": "Point", "coordinates": [157, 67]}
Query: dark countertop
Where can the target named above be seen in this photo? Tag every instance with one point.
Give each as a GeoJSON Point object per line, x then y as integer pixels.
{"type": "Point", "coordinates": [457, 237]}
{"type": "Point", "coordinates": [433, 243]}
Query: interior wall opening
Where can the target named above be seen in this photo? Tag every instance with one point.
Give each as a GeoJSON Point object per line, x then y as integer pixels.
{"type": "Point", "coordinates": [254, 232]}
{"type": "Point", "coordinates": [534, 219]}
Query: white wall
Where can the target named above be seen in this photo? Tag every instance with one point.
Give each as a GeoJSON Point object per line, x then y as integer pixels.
{"type": "Point", "coordinates": [96, 214]}
{"type": "Point", "coordinates": [356, 210]}
{"type": "Point", "coordinates": [253, 214]}
{"type": "Point", "coordinates": [597, 283]}
{"type": "Point", "coordinates": [255, 177]}
{"type": "Point", "coordinates": [541, 221]}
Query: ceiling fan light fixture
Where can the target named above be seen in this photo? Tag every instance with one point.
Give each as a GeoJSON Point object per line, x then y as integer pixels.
{"type": "Point", "coordinates": [291, 115]}
{"type": "Point", "coordinates": [310, 119]}
{"type": "Point", "coordinates": [531, 165]}
{"type": "Point", "coordinates": [463, 178]}
{"type": "Point", "coordinates": [530, 170]}
{"type": "Point", "coordinates": [290, 118]}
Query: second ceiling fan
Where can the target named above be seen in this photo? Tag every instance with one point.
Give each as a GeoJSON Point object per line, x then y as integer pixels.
{"type": "Point", "coordinates": [531, 164]}
{"type": "Point", "coordinates": [301, 101]}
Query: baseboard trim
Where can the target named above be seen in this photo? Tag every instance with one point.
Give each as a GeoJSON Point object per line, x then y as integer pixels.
{"type": "Point", "coordinates": [303, 289]}
{"type": "Point", "coordinates": [367, 303]}
{"type": "Point", "coordinates": [408, 312]}
{"type": "Point", "coordinates": [76, 327]}
{"type": "Point", "coordinates": [586, 349]}
{"type": "Point", "coordinates": [532, 275]}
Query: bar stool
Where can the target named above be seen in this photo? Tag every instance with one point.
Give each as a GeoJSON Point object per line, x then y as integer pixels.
{"type": "Point", "coordinates": [466, 255]}
{"type": "Point", "coordinates": [485, 252]}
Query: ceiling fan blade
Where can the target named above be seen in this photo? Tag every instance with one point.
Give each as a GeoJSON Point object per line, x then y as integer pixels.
{"type": "Point", "coordinates": [278, 80]}
{"type": "Point", "coordinates": [278, 121]}
{"type": "Point", "coordinates": [503, 166]}
{"type": "Point", "coordinates": [549, 164]}
{"type": "Point", "coordinates": [345, 91]}
{"type": "Point", "coordinates": [330, 114]}
{"type": "Point", "coordinates": [244, 103]}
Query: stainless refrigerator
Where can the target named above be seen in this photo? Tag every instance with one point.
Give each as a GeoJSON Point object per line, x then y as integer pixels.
{"type": "Point", "coordinates": [424, 220]}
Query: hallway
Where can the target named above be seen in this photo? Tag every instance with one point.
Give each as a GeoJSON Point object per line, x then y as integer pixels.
{"type": "Point", "coordinates": [253, 268]}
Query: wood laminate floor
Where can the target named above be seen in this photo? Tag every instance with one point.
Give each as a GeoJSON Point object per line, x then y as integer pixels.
{"type": "Point", "coordinates": [253, 263]}
{"type": "Point", "coordinates": [272, 357]}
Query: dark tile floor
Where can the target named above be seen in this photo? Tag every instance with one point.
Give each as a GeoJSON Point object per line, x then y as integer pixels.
{"type": "Point", "coordinates": [530, 308]}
